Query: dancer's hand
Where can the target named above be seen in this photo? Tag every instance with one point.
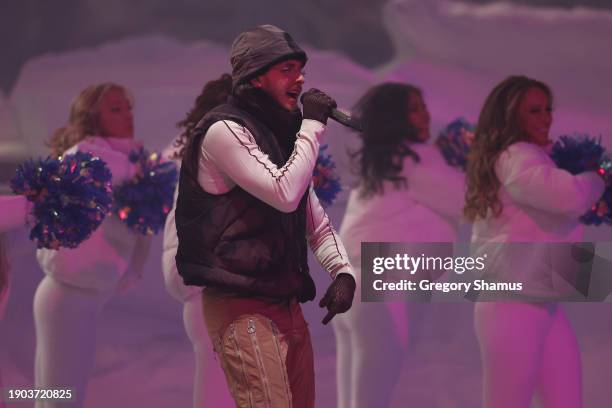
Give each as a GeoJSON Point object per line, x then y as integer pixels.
{"type": "Point", "coordinates": [339, 296]}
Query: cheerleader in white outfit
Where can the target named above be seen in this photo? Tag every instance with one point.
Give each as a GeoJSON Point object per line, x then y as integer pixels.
{"type": "Point", "coordinates": [406, 193]}
{"type": "Point", "coordinates": [209, 386]}
{"type": "Point", "coordinates": [13, 212]}
{"type": "Point", "coordinates": [517, 194]}
{"type": "Point", "coordinates": [78, 282]}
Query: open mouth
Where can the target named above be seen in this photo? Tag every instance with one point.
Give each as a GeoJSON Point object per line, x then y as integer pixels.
{"type": "Point", "coordinates": [293, 95]}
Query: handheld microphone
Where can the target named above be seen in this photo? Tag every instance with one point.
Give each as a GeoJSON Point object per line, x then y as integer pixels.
{"type": "Point", "coordinates": [343, 118]}
{"type": "Point", "coordinates": [346, 119]}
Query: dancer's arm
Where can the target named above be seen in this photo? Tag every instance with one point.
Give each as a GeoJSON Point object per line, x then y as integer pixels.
{"type": "Point", "coordinates": [172, 280]}
{"type": "Point", "coordinates": [434, 183]}
{"type": "Point", "coordinates": [531, 178]}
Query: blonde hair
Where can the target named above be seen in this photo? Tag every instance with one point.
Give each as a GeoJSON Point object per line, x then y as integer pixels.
{"type": "Point", "coordinates": [84, 117]}
{"type": "Point", "coordinates": [498, 127]}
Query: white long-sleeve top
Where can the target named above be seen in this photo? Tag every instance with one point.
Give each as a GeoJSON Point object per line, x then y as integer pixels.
{"type": "Point", "coordinates": [428, 209]}
{"type": "Point", "coordinates": [230, 157]}
{"type": "Point", "coordinates": [113, 256]}
{"type": "Point", "coordinates": [541, 205]}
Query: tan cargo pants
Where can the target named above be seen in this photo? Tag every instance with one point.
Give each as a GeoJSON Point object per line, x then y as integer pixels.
{"type": "Point", "coordinates": [264, 349]}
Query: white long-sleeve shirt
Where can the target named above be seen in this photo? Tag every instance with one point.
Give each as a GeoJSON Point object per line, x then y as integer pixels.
{"type": "Point", "coordinates": [541, 203]}
{"type": "Point", "coordinates": [230, 157]}
{"type": "Point", "coordinates": [426, 210]}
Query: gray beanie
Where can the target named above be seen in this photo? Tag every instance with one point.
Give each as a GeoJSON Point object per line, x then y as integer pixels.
{"type": "Point", "coordinates": [254, 51]}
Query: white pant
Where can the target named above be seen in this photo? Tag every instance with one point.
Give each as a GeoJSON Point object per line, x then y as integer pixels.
{"type": "Point", "coordinates": [65, 319]}
{"type": "Point", "coordinates": [528, 349]}
{"type": "Point", "coordinates": [209, 385]}
{"type": "Point", "coordinates": [371, 341]}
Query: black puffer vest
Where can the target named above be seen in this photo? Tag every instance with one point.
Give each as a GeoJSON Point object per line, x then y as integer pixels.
{"type": "Point", "coordinates": [234, 241]}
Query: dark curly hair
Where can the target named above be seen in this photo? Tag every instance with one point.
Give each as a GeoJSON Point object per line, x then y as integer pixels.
{"type": "Point", "coordinates": [383, 112]}
{"type": "Point", "coordinates": [498, 127]}
{"type": "Point", "coordinates": [213, 94]}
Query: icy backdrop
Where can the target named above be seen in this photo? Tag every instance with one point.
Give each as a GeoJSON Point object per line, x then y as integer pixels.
{"type": "Point", "coordinates": [455, 52]}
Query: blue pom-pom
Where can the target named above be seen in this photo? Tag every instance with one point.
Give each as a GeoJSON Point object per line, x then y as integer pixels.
{"type": "Point", "coordinates": [143, 202]}
{"type": "Point", "coordinates": [325, 180]}
{"type": "Point", "coordinates": [71, 197]}
{"type": "Point", "coordinates": [579, 153]}
{"type": "Point", "coordinates": [601, 212]}
{"type": "Point", "coordinates": [452, 142]}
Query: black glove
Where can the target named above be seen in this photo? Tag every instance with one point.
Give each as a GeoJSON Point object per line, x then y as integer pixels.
{"type": "Point", "coordinates": [339, 296]}
{"type": "Point", "coordinates": [317, 105]}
